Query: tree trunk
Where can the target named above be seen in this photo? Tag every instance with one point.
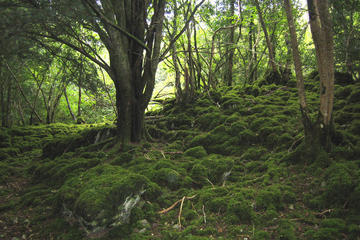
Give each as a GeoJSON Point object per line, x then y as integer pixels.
{"type": "Point", "coordinates": [230, 49]}
{"type": "Point", "coordinates": [308, 126]}
{"type": "Point", "coordinates": [79, 101]}
{"type": "Point", "coordinates": [267, 38]}
{"type": "Point", "coordinates": [8, 105]}
{"type": "Point", "coordinates": [69, 106]}
{"type": "Point", "coordinates": [321, 30]}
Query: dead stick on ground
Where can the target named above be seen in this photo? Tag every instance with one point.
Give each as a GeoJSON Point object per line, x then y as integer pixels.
{"type": "Point", "coordinates": [293, 144]}
{"type": "Point", "coordinates": [181, 206]}
{"type": "Point", "coordinates": [203, 210]}
{"type": "Point", "coordinates": [174, 204]}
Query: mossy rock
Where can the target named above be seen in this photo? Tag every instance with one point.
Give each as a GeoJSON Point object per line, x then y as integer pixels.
{"type": "Point", "coordinates": [210, 120]}
{"type": "Point", "coordinates": [343, 92]}
{"type": "Point", "coordinates": [4, 138]}
{"type": "Point", "coordinates": [343, 78]}
{"type": "Point", "coordinates": [218, 167]}
{"type": "Point", "coordinates": [214, 199]}
{"type": "Point", "coordinates": [214, 142]}
{"type": "Point", "coordinates": [330, 229]}
{"type": "Point", "coordinates": [10, 151]}
{"type": "Point", "coordinates": [286, 231]}
{"type": "Point", "coordinates": [237, 127]}
{"type": "Point", "coordinates": [270, 198]}
{"type": "Point", "coordinates": [196, 152]}
{"type": "Point", "coordinates": [167, 177]}
{"type": "Point", "coordinates": [69, 143]}
{"type": "Point", "coordinates": [104, 196]}
{"type": "Point", "coordinates": [180, 121]}
{"type": "Point", "coordinates": [341, 180]}
{"type": "Point", "coordinates": [240, 212]}
{"type": "Point", "coordinates": [262, 235]}
{"type": "Point", "coordinates": [355, 97]}
{"type": "Point", "coordinates": [55, 172]}
{"type": "Point", "coordinates": [122, 158]}
{"type": "Point", "coordinates": [255, 153]}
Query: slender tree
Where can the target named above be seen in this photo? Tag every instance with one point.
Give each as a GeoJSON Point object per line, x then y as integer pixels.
{"type": "Point", "coordinates": [321, 30]}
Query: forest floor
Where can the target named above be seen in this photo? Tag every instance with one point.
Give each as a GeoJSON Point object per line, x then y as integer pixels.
{"type": "Point", "coordinates": [230, 165]}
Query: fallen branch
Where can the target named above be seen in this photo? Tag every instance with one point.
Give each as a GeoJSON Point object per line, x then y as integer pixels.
{"type": "Point", "coordinates": [181, 206]}
{"type": "Point", "coordinates": [174, 204]}
{"type": "Point", "coordinates": [293, 144]}
{"type": "Point", "coordinates": [324, 212]}
{"type": "Point", "coordinates": [203, 210]}
{"type": "Point", "coordinates": [210, 182]}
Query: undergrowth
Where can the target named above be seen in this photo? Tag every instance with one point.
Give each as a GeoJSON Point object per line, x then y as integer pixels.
{"type": "Point", "coordinates": [230, 165]}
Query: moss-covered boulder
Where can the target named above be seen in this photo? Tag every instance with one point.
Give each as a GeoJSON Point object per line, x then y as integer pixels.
{"type": "Point", "coordinates": [104, 196]}
{"type": "Point", "coordinates": [196, 152]}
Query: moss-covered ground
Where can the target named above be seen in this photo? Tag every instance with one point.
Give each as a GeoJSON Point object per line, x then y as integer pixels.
{"type": "Point", "coordinates": [230, 165]}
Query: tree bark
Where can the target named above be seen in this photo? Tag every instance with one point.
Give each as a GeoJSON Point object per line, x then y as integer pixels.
{"type": "Point", "coordinates": [308, 128]}
{"type": "Point", "coordinates": [69, 105]}
{"type": "Point", "coordinates": [230, 49]}
{"type": "Point", "coordinates": [267, 38]}
{"type": "Point", "coordinates": [321, 30]}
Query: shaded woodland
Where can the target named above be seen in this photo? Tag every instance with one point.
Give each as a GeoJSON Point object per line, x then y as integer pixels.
{"type": "Point", "coordinates": [197, 119]}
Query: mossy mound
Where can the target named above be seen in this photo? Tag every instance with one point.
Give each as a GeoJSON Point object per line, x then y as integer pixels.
{"type": "Point", "coordinates": [105, 196]}
{"type": "Point", "coordinates": [232, 164]}
{"type": "Point", "coordinates": [85, 138]}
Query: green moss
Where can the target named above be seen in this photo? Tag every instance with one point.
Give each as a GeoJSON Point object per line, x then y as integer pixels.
{"type": "Point", "coordinates": [240, 212]}
{"type": "Point", "coordinates": [214, 199]}
{"type": "Point", "coordinates": [261, 235]}
{"type": "Point", "coordinates": [210, 120]}
{"type": "Point", "coordinates": [199, 173]}
{"type": "Point", "coordinates": [122, 158]}
{"type": "Point", "coordinates": [340, 181]}
{"type": "Point", "coordinates": [286, 231]}
{"type": "Point", "coordinates": [10, 151]}
{"type": "Point", "coordinates": [4, 138]}
{"type": "Point", "coordinates": [255, 153]}
{"type": "Point", "coordinates": [196, 152]}
{"type": "Point", "coordinates": [105, 195]}
{"type": "Point", "coordinates": [217, 167]}
{"type": "Point", "coordinates": [355, 97]}
{"type": "Point", "coordinates": [167, 177]}
{"type": "Point", "coordinates": [270, 198]}
{"type": "Point", "coordinates": [330, 229]}
{"type": "Point", "coordinates": [56, 171]}
{"type": "Point", "coordinates": [343, 92]}
{"type": "Point", "coordinates": [237, 127]}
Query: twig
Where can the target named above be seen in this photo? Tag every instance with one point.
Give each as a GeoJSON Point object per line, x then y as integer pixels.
{"type": "Point", "coordinates": [203, 210]}
{"type": "Point", "coordinates": [293, 144]}
{"type": "Point", "coordinates": [174, 204]}
{"type": "Point", "coordinates": [169, 208]}
{"type": "Point", "coordinates": [181, 206]}
{"type": "Point", "coordinates": [210, 183]}
{"type": "Point", "coordinates": [324, 212]}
